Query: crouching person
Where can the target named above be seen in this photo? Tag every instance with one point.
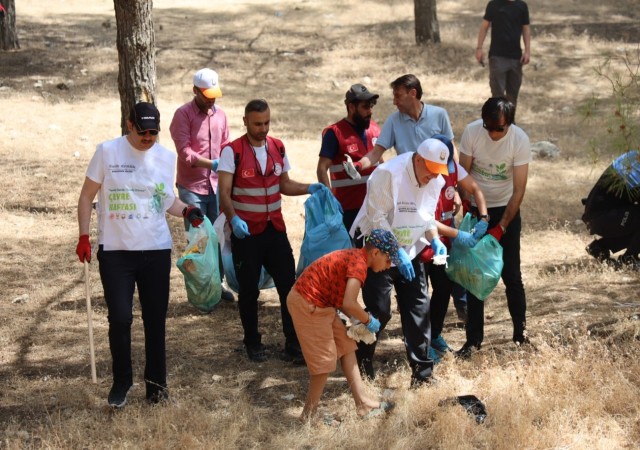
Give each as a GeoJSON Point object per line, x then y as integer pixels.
{"type": "Point", "coordinates": [328, 284]}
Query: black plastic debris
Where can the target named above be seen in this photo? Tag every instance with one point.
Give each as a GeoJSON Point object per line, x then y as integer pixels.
{"type": "Point", "coordinates": [470, 403]}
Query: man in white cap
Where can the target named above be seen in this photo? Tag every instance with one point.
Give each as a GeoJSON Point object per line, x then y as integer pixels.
{"type": "Point", "coordinates": [402, 195]}
{"type": "Point", "coordinates": [200, 131]}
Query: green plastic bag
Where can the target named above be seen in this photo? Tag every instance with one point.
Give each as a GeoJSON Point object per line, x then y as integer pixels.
{"type": "Point", "coordinates": [477, 269]}
{"type": "Point", "coordinates": [200, 268]}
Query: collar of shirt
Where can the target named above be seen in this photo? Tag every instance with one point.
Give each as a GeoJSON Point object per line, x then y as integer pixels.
{"type": "Point", "coordinates": [197, 110]}
{"type": "Point", "coordinates": [423, 114]}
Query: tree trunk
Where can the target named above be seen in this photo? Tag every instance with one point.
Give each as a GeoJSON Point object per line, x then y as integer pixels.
{"type": "Point", "coordinates": [136, 55]}
{"type": "Point", "coordinates": [427, 28]}
{"type": "Point", "coordinates": [8, 34]}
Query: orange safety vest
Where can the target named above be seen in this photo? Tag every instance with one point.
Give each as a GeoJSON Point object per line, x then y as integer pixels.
{"type": "Point", "coordinates": [256, 196]}
{"type": "Point", "coordinates": [350, 193]}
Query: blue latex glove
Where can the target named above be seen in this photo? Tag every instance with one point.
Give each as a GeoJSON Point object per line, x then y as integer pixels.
{"type": "Point", "coordinates": [214, 164]}
{"type": "Point", "coordinates": [373, 325]}
{"type": "Point", "coordinates": [465, 238]}
{"type": "Point", "coordinates": [240, 227]}
{"type": "Point", "coordinates": [315, 187]}
{"type": "Point", "coordinates": [438, 247]}
{"type": "Point", "coordinates": [480, 229]}
{"type": "Point", "coordinates": [405, 267]}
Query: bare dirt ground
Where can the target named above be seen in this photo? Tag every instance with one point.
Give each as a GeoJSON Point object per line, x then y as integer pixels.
{"type": "Point", "coordinates": [575, 387]}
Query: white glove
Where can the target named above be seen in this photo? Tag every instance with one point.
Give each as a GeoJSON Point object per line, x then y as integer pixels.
{"type": "Point", "coordinates": [350, 169]}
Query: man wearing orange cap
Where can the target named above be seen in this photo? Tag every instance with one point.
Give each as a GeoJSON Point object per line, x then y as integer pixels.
{"type": "Point", "coordinates": [200, 131]}
{"type": "Point", "coordinates": [402, 195]}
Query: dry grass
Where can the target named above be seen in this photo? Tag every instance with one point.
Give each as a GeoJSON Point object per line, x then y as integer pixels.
{"type": "Point", "coordinates": [575, 387]}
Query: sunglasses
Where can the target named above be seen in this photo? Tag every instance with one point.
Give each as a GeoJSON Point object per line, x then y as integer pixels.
{"type": "Point", "coordinates": [497, 129]}
{"type": "Point", "coordinates": [151, 132]}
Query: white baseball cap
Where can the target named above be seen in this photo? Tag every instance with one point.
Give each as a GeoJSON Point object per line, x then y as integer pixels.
{"type": "Point", "coordinates": [435, 154]}
{"type": "Point", "coordinates": [207, 81]}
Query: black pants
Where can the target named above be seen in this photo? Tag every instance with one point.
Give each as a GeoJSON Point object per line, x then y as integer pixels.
{"type": "Point", "coordinates": [413, 303]}
{"type": "Point", "coordinates": [120, 272]}
{"type": "Point", "coordinates": [512, 279]}
{"type": "Point", "coordinates": [441, 288]}
{"type": "Point", "coordinates": [619, 228]}
{"type": "Point", "coordinates": [270, 249]}
{"type": "Point", "coordinates": [348, 217]}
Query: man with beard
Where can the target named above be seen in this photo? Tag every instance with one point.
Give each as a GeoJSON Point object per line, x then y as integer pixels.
{"type": "Point", "coordinates": [413, 122]}
{"type": "Point", "coordinates": [349, 140]}
{"type": "Point", "coordinates": [253, 174]}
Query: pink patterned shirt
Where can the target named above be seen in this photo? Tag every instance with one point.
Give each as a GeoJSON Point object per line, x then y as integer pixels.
{"type": "Point", "coordinates": [198, 135]}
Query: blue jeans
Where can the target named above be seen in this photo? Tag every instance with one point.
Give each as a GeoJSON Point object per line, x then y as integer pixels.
{"type": "Point", "coordinates": [208, 204]}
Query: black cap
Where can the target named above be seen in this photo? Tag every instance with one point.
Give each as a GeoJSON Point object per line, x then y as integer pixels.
{"type": "Point", "coordinates": [146, 116]}
{"type": "Point", "coordinates": [359, 93]}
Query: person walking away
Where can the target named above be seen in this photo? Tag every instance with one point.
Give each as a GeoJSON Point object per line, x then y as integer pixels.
{"type": "Point", "coordinates": [509, 22]}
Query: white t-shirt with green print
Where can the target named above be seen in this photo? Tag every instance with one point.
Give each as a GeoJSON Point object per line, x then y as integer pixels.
{"type": "Point", "coordinates": [493, 161]}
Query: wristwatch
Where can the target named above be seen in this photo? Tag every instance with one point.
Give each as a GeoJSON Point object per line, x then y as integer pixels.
{"type": "Point", "coordinates": [485, 216]}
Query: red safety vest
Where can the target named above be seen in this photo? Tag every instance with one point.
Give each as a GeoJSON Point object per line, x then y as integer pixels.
{"type": "Point", "coordinates": [444, 210]}
{"type": "Point", "coordinates": [256, 196]}
{"type": "Point", "coordinates": [350, 193]}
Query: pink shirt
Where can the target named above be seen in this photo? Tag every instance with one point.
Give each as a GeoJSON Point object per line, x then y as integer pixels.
{"type": "Point", "coordinates": [198, 135]}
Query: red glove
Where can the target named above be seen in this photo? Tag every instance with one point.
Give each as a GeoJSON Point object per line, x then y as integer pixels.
{"type": "Point", "coordinates": [83, 249]}
{"type": "Point", "coordinates": [497, 232]}
{"type": "Point", "coordinates": [194, 215]}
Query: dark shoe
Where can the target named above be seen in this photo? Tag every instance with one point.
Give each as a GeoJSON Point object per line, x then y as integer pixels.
{"type": "Point", "coordinates": [256, 353]}
{"type": "Point", "coordinates": [417, 383]}
{"type": "Point", "coordinates": [118, 394]}
{"type": "Point", "coordinates": [598, 252]}
{"type": "Point", "coordinates": [466, 351]}
{"type": "Point", "coordinates": [366, 369]}
{"type": "Point", "coordinates": [158, 396]}
{"type": "Point", "coordinates": [440, 345]}
{"type": "Point", "coordinates": [227, 295]}
{"type": "Point", "coordinates": [293, 353]}
{"type": "Point", "coordinates": [520, 334]}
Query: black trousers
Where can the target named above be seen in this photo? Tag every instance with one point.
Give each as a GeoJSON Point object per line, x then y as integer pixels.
{"type": "Point", "coordinates": [413, 303]}
{"type": "Point", "coordinates": [511, 277]}
{"type": "Point", "coordinates": [270, 249]}
{"type": "Point", "coordinates": [441, 288]}
{"type": "Point", "coordinates": [121, 272]}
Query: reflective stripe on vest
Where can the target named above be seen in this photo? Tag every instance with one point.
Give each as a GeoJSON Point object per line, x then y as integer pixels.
{"type": "Point", "coordinates": [256, 192]}
{"type": "Point", "coordinates": [349, 182]}
{"type": "Point", "coordinates": [271, 207]}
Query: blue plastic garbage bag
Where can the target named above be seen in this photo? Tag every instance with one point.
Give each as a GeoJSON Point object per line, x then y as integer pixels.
{"type": "Point", "coordinates": [477, 269]}
{"type": "Point", "coordinates": [324, 231]}
{"type": "Point", "coordinates": [200, 268]}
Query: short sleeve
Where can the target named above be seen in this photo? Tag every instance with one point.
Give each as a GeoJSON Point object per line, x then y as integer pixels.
{"type": "Point", "coordinates": [95, 171]}
{"type": "Point", "coordinates": [227, 163]}
{"type": "Point", "coordinates": [329, 147]}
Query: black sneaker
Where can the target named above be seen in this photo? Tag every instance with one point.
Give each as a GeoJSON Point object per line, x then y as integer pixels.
{"type": "Point", "coordinates": [227, 295]}
{"type": "Point", "coordinates": [118, 394]}
{"type": "Point", "coordinates": [158, 396]}
{"type": "Point", "coordinates": [293, 353]}
{"type": "Point", "coordinates": [598, 252]}
{"type": "Point", "coordinates": [466, 351]}
{"type": "Point", "coordinates": [256, 353]}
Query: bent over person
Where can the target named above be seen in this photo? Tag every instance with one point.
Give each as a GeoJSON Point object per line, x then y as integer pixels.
{"type": "Point", "coordinates": [253, 174]}
{"type": "Point", "coordinates": [133, 178]}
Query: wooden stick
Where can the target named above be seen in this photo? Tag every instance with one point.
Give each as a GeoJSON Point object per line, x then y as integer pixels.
{"type": "Point", "coordinates": [87, 286]}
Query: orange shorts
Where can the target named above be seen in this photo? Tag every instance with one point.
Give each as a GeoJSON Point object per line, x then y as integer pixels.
{"type": "Point", "coordinates": [322, 335]}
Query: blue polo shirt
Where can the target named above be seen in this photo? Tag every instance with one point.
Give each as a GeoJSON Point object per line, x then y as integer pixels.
{"type": "Point", "coordinates": [405, 134]}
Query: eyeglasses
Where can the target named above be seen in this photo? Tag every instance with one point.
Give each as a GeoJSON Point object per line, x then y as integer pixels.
{"type": "Point", "coordinates": [498, 129]}
{"type": "Point", "coordinates": [144, 133]}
